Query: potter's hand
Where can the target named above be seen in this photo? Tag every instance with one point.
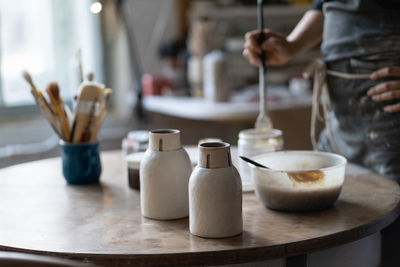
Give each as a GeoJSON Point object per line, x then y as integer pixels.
{"type": "Point", "coordinates": [387, 90]}
{"type": "Point", "coordinates": [277, 49]}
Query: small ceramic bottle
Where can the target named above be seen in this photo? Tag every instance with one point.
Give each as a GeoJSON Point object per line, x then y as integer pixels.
{"type": "Point", "coordinates": [164, 177]}
{"type": "Point", "coordinates": [215, 193]}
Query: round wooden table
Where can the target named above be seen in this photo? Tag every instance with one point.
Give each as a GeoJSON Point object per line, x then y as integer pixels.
{"type": "Point", "coordinates": [41, 214]}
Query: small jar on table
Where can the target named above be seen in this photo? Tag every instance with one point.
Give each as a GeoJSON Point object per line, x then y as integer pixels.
{"type": "Point", "coordinates": [253, 142]}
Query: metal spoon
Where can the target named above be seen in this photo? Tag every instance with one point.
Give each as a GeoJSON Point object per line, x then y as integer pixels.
{"type": "Point", "coordinates": [253, 162]}
{"type": "Point", "coordinates": [263, 121]}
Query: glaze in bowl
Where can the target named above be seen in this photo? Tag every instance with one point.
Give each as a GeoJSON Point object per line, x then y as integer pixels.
{"type": "Point", "coordinates": [298, 180]}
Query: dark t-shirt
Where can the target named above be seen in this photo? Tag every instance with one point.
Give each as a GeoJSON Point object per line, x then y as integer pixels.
{"type": "Point", "coordinates": [359, 27]}
{"type": "Point", "coordinates": [317, 4]}
{"type": "Point", "coordinates": [384, 3]}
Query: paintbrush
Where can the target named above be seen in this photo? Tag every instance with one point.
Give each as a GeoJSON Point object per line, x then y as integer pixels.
{"type": "Point", "coordinates": [69, 114]}
{"type": "Point", "coordinates": [56, 100]}
{"type": "Point", "coordinates": [99, 118]}
{"type": "Point", "coordinates": [49, 114]}
{"type": "Point", "coordinates": [43, 105]}
{"type": "Point", "coordinates": [29, 80]}
{"type": "Point", "coordinates": [90, 94]}
{"type": "Point", "coordinates": [78, 56]}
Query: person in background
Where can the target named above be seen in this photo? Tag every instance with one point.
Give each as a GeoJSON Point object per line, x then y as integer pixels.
{"type": "Point", "coordinates": [361, 44]}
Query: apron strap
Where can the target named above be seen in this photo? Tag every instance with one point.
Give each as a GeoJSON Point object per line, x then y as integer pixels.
{"type": "Point", "coordinates": [321, 96]}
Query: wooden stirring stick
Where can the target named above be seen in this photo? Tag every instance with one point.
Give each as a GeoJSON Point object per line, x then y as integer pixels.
{"type": "Point", "coordinates": [56, 100]}
{"type": "Point", "coordinates": [99, 118]}
{"type": "Point", "coordinates": [89, 97]}
{"type": "Point", "coordinates": [43, 105]}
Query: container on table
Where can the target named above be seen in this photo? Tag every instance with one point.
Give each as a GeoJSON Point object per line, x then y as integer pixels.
{"type": "Point", "coordinates": [253, 142]}
{"type": "Point", "coordinates": [164, 177]}
{"type": "Point", "coordinates": [215, 193]}
{"type": "Point", "coordinates": [298, 180]}
{"type": "Point", "coordinates": [136, 141]}
{"type": "Point", "coordinates": [81, 163]}
{"type": "Point", "coordinates": [133, 165]}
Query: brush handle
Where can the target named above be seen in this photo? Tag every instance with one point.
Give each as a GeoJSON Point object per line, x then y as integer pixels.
{"type": "Point", "coordinates": [253, 162]}
{"type": "Point", "coordinates": [86, 110]}
{"type": "Point", "coordinates": [99, 119]}
{"type": "Point", "coordinates": [59, 111]}
{"type": "Point", "coordinates": [85, 113]}
{"type": "Point", "coordinates": [46, 111]}
{"type": "Point", "coordinates": [44, 107]}
{"type": "Point", "coordinates": [64, 122]}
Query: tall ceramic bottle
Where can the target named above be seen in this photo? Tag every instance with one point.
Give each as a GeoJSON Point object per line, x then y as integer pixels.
{"type": "Point", "coordinates": [164, 177]}
{"type": "Point", "coordinates": [215, 193]}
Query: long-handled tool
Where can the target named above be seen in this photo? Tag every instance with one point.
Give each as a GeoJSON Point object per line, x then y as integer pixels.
{"type": "Point", "coordinates": [90, 94]}
{"type": "Point", "coordinates": [263, 121]}
{"type": "Point", "coordinates": [43, 105]}
{"type": "Point", "coordinates": [53, 91]}
{"type": "Point", "coordinates": [99, 119]}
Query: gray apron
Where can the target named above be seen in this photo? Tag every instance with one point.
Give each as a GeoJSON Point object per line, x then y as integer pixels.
{"type": "Point", "coordinates": [359, 38]}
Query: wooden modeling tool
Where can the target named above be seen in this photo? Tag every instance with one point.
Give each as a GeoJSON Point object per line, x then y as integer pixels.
{"type": "Point", "coordinates": [86, 109]}
{"type": "Point", "coordinates": [56, 100]}
{"type": "Point", "coordinates": [69, 115]}
{"type": "Point", "coordinates": [99, 119]}
{"type": "Point", "coordinates": [43, 105]}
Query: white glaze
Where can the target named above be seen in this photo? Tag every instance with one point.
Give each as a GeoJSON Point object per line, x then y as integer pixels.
{"type": "Point", "coordinates": [164, 179]}
{"type": "Point", "coordinates": [215, 197]}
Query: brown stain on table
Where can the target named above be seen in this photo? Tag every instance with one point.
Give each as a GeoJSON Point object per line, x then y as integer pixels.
{"type": "Point", "coordinates": [309, 177]}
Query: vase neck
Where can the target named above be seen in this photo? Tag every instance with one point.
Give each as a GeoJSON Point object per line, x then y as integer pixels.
{"type": "Point", "coordinates": [165, 140]}
{"type": "Point", "coordinates": [213, 155]}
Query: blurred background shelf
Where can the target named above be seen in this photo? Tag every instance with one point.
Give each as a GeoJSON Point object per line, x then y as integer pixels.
{"type": "Point", "coordinates": [103, 39]}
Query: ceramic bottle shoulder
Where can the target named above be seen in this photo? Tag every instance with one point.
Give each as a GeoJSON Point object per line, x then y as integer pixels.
{"type": "Point", "coordinates": [173, 156]}
{"type": "Point", "coordinates": [228, 176]}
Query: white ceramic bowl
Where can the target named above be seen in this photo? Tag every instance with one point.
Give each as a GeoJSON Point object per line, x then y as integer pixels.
{"type": "Point", "coordinates": [298, 180]}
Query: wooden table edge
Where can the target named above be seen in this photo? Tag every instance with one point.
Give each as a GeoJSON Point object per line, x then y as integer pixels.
{"type": "Point", "coordinates": [231, 256]}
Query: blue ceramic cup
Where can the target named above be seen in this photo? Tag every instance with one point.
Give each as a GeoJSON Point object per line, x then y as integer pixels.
{"type": "Point", "coordinates": [81, 162]}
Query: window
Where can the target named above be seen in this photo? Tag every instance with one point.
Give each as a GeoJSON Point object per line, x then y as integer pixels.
{"type": "Point", "coordinates": [43, 37]}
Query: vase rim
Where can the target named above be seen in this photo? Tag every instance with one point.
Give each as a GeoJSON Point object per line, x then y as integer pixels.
{"type": "Point", "coordinates": [213, 155]}
{"type": "Point", "coordinates": [165, 139]}
{"type": "Point", "coordinates": [214, 145]}
{"type": "Point", "coordinates": [165, 131]}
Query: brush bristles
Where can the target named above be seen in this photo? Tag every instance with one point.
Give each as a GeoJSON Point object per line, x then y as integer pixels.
{"type": "Point", "coordinates": [28, 78]}
{"type": "Point", "coordinates": [107, 92]}
{"type": "Point", "coordinates": [90, 90]}
{"type": "Point", "coordinates": [53, 90]}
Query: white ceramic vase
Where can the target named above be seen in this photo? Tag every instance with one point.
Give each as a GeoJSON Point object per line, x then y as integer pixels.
{"type": "Point", "coordinates": [215, 193]}
{"type": "Point", "coordinates": [164, 177]}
